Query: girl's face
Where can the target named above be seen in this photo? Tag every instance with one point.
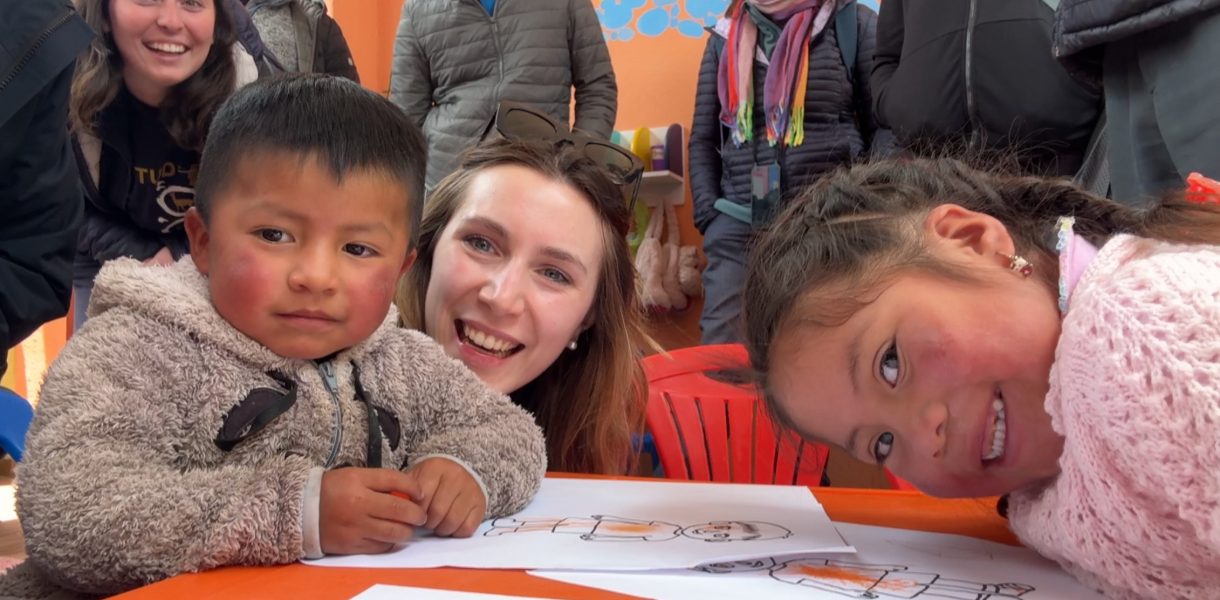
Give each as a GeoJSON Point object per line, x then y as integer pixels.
{"type": "Point", "coordinates": [942, 382]}
{"type": "Point", "coordinates": [513, 275]}
{"type": "Point", "coordinates": [162, 42]}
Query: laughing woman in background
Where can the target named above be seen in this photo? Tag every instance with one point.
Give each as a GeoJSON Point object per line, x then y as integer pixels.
{"type": "Point", "coordinates": [142, 98]}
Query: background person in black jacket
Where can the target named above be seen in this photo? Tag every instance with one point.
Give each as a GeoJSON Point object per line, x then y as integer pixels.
{"type": "Point", "coordinates": [837, 129]}
{"type": "Point", "coordinates": [1157, 59]}
{"type": "Point", "coordinates": [302, 37]}
{"type": "Point", "coordinates": [969, 75]}
{"type": "Point", "coordinates": [40, 196]}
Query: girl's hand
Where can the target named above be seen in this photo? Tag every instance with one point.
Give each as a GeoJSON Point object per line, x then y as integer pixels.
{"type": "Point", "coordinates": [450, 495]}
{"type": "Point", "coordinates": [163, 258]}
{"type": "Point", "coordinates": [366, 511]}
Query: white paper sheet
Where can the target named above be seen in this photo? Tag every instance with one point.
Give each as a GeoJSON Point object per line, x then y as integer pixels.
{"type": "Point", "coordinates": [627, 525]}
{"type": "Point", "coordinates": [889, 563]}
{"type": "Point", "coordinates": [398, 592]}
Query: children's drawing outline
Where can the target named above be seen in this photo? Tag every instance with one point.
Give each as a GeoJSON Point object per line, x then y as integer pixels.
{"type": "Point", "coordinates": [608, 528]}
{"type": "Point", "coordinates": [863, 580]}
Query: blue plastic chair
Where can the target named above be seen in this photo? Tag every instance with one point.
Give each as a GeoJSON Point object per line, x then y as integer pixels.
{"type": "Point", "coordinates": [15, 416]}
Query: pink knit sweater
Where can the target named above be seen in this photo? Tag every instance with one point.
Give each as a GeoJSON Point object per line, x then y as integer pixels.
{"type": "Point", "coordinates": [1135, 391]}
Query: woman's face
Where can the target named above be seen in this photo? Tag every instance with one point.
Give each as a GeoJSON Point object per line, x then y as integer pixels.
{"type": "Point", "coordinates": [162, 42]}
{"type": "Point", "coordinates": [514, 275]}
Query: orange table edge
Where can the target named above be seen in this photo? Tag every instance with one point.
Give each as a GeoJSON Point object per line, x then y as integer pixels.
{"type": "Point", "coordinates": [888, 508]}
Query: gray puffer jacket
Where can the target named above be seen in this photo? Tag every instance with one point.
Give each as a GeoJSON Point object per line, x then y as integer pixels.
{"type": "Point", "coordinates": [839, 121]}
{"type": "Point", "coordinates": [454, 63]}
{"type": "Point", "coordinates": [1087, 25]}
{"type": "Point", "coordinates": [147, 457]}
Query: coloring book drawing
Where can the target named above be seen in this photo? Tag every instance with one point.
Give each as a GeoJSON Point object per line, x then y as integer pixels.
{"type": "Point", "coordinates": [604, 528]}
{"type": "Point", "coordinates": [629, 525]}
{"type": "Point", "coordinates": [868, 580]}
{"type": "Point", "coordinates": [889, 563]}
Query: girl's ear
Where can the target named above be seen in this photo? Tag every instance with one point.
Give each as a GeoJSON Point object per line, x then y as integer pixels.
{"type": "Point", "coordinates": [961, 230]}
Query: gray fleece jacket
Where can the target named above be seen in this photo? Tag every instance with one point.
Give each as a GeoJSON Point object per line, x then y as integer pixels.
{"type": "Point", "coordinates": [127, 478]}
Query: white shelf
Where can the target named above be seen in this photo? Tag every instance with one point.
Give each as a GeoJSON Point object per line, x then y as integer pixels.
{"type": "Point", "coordinates": [658, 186]}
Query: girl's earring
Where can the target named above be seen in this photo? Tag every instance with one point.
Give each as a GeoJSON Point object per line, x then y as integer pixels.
{"type": "Point", "coordinates": [1018, 264]}
{"type": "Point", "coordinates": [572, 345]}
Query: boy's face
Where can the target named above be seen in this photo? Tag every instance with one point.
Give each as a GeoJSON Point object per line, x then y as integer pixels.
{"type": "Point", "coordinates": [300, 263]}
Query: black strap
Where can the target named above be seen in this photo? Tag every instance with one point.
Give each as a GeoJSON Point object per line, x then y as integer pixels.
{"type": "Point", "coordinates": [1094, 173]}
{"type": "Point", "coordinates": [373, 452]}
{"type": "Point", "coordinates": [846, 33]}
{"type": "Point", "coordinates": [257, 410]}
{"type": "Point", "coordinates": [263, 405]}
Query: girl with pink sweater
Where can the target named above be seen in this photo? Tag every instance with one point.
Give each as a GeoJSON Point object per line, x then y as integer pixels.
{"type": "Point", "coordinates": [981, 334]}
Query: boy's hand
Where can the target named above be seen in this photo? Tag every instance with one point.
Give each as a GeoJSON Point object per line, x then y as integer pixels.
{"type": "Point", "coordinates": [359, 514]}
{"type": "Point", "coordinates": [451, 497]}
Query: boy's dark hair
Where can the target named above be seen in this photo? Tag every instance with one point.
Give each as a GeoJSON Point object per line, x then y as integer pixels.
{"type": "Point", "coordinates": [342, 124]}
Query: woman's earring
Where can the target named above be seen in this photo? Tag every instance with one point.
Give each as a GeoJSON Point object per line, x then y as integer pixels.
{"type": "Point", "coordinates": [1018, 264]}
{"type": "Point", "coordinates": [572, 345]}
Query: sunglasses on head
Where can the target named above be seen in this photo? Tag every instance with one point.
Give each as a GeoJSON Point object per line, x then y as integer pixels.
{"type": "Point", "coordinates": [521, 122]}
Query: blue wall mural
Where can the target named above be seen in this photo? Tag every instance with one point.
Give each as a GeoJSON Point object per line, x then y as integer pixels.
{"type": "Point", "coordinates": [623, 19]}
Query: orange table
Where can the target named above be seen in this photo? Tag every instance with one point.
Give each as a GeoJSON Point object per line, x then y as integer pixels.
{"type": "Point", "coordinates": [909, 510]}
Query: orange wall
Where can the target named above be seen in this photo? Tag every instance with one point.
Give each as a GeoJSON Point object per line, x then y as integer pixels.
{"type": "Point", "coordinates": [369, 26]}
{"type": "Point", "coordinates": [27, 362]}
{"type": "Point", "coordinates": [656, 75]}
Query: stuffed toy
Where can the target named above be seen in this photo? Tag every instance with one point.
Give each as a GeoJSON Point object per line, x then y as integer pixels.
{"type": "Point", "coordinates": [677, 299]}
{"type": "Point", "coordinates": [650, 263]}
{"type": "Point", "coordinates": [690, 270]}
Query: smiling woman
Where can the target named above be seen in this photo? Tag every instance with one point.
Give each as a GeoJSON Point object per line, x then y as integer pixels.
{"type": "Point", "coordinates": [524, 275]}
{"type": "Point", "coordinates": [142, 98]}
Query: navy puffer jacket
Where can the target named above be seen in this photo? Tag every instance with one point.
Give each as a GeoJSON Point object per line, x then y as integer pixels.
{"type": "Point", "coordinates": [839, 123]}
{"type": "Point", "coordinates": [1082, 27]}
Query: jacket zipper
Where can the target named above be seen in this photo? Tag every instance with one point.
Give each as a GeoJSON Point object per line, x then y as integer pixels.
{"type": "Point", "coordinates": [495, 39]}
{"type": "Point", "coordinates": [495, 36]}
{"type": "Point", "coordinates": [332, 386]}
{"type": "Point", "coordinates": [29, 51]}
{"type": "Point", "coordinates": [970, 108]}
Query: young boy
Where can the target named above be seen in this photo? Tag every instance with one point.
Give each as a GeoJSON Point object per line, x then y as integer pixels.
{"type": "Point", "coordinates": [255, 403]}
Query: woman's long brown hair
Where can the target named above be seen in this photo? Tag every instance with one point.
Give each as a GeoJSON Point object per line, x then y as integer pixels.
{"type": "Point", "coordinates": [187, 110]}
{"type": "Point", "coordinates": [590, 401]}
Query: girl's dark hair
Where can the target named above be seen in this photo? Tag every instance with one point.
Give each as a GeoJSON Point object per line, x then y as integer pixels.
{"type": "Point", "coordinates": [589, 402]}
{"type": "Point", "coordinates": [839, 243]}
{"type": "Point", "coordinates": [188, 108]}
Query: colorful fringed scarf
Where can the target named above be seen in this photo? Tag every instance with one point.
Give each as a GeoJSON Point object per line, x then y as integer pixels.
{"type": "Point", "coordinates": [787, 76]}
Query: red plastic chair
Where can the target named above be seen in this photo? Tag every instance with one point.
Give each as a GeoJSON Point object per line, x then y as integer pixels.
{"type": "Point", "coordinates": [708, 430]}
